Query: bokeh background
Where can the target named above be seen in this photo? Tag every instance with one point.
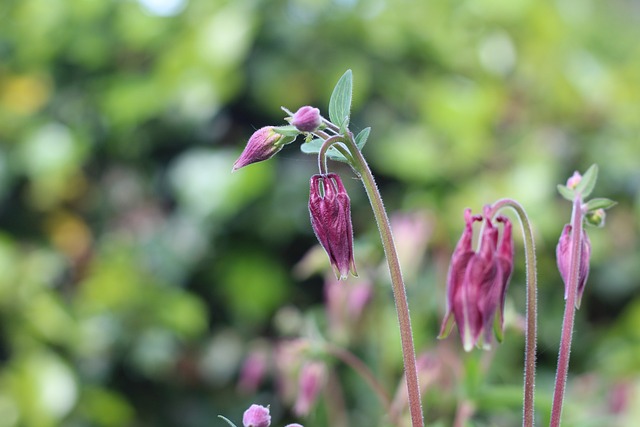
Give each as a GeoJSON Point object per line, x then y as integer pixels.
{"type": "Point", "coordinates": [138, 275]}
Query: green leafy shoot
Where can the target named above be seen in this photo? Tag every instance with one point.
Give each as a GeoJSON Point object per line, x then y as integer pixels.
{"type": "Point", "coordinates": [340, 102]}
{"type": "Point", "coordinates": [588, 181]}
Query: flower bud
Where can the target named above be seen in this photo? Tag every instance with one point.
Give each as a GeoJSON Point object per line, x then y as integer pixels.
{"type": "Point", "coordinates": [330, 211]}
{"type": "Point", "coordinates": [256, 416]}
{"type": "Point", "coordinates": [563, 258]}
{"type": "Point", "coordinates": [263, 144]}
{"type": "Point", "coordinates": [596, 217]}
{"type": "Point", "coordinates": [574, 180]}
{"type": "Point", "coordinates": [307, 119]}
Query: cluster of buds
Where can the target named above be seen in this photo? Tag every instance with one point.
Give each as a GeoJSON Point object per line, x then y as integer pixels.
{"type": "Point", "coordinates": [477, 281]}
{"type": "Point", "coordinates": [329, 204]}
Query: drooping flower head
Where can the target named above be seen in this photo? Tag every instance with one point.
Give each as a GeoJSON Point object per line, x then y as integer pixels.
{"type": "Point", "coordinates": [330, 211]}
{"type": "Point", "coordinates": [263, 144]}
{"type": "Point", "coordinates": [563, 258]}
{"type": "Point", "coordinates": [256, 416]}
{"type": "Point", "coordinates": [477, 281]}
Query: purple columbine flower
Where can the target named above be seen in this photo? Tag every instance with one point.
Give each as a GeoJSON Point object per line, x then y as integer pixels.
{"type": "Point", "coordinates": [263, 144]}
{"type": "Point", "coordinates": [563, 258]}
{"type": "Point", "coordinates": [477, 281]}
{"type": "Point", "coordinates": [330, 211]}
{"type": "Point", "coordinates": [307, 119]}
{"type": "Point", "coordinates": [256, 416]}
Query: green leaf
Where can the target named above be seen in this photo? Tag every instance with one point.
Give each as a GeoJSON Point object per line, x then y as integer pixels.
{"type": "Point", "coordinates": [340, 102]}
{"type": "Point", "coordinates": [313, 147]}
{"type": "Point", "coordinates": [600, 203]}
{"type": "Point", "coordinates": [288, 130]}
{"type": "Point", "coordinates": [227, 420]}
{"type": "Point", "coordinates": [588, 181]}
{"type": "Point", "coordinates": [362, 136]}
{"type": "Point", "coordinates": [566, 192]}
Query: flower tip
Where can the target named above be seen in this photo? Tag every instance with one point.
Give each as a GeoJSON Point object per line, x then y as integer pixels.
{"type": "Point", "coordinates": [468, 346]}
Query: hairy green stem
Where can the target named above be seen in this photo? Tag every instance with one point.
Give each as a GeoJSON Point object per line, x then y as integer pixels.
{"type": "Point", "coordinates": [331, 141]}
{"type": "Point", "coordinates": [399, 292]}
{"type": "Point", "coordinates": [531, 308]}
{"type": "Point", "coordinates": [569, 312]}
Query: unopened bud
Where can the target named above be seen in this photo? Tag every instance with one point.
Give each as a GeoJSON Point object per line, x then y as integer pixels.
{"type": "Point", "coordinates": [307, 119]}
{"type": "Point", "coordinates": [263, 144]}
{"type": "Point", "coordinates": [575, 179]}
{"type": "Point", "coordinates": [596, 217]}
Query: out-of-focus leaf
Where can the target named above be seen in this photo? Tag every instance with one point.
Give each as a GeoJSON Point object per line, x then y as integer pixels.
{"type": "Point", "coordinates": [600, 203]}
{"type": "Point", "coordinates": [588, 181]}
{"type": "Point", "coordinates": [566, 192]}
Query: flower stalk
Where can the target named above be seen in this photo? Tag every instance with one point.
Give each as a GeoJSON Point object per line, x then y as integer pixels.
{"type": "Point", "coordinates": [569, 312]}
{"type": "Point", "coordinates": [361, 167]}
{"type": "Point", "coordinates": [528, 410]}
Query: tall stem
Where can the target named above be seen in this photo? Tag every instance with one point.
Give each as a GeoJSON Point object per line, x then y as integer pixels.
{"type": "Point", "coordinates": [399, 292]}
{"type": "Point", "coordinates": [531, 308]}
{"type": "Point", "coordinates": [569, 312]}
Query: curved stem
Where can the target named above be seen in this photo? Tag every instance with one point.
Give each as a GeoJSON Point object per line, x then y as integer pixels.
{"type": "Point", "coordinates": [399, 292]}
{"type": "Point", "coordinates": [362, 370]}
{"type": "Point", "coordinates": [531, 308]}
{"type": "Point", "coordinates": [329, 142]}
{"type": "Point", "coordinates": [569, 313]}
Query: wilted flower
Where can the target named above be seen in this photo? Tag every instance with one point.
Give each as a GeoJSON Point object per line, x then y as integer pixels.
{"type": "Point", "coordinates": [477, 281]}
{"type": "Point", "coordinates": [263, 144]}
{"type": "Point", "coordinates": [311, 380]}
{"type": "Point", "coordinates": [307, 119]}
{"type": "Point", "coordinates": [563, 258]}
{"type": "Point", "coordinates": [330, 211]}
{"type": "Point", "coordinates": [256, 416]}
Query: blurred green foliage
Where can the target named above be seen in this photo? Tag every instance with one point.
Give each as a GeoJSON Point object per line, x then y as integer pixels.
{"type": "Point", "coordinates": [137, 272]}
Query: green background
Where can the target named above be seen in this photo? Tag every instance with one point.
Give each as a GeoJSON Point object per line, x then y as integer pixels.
{"type": "Point", "coordinates": [137, 272]}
